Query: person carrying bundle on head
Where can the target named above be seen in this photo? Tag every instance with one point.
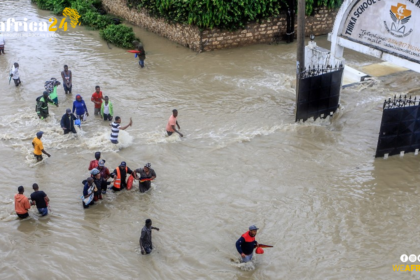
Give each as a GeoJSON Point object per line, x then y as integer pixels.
{"type": "Point", "coordinates": [51, 87]}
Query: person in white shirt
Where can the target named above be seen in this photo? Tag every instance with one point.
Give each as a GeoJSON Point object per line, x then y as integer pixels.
{"type": "Point", "coordinates": [15, 74]}
{"type": "Point", "coordinates": [2, 43]}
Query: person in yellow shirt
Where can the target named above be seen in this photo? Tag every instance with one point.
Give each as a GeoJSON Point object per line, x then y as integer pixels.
{"type": "Point", "coordinates": [39, 147]}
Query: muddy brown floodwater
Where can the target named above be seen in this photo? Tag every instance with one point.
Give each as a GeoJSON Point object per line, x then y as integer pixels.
{"type": "Point", "coordinates": [330, 209]}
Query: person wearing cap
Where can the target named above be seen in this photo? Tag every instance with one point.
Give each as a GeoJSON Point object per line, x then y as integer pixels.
{"type": "Point", "coordinates": [98, 182]}
{"type": "Point", "coordinates": [104, 174]}
{"type": "Point", "coordinates": [94, 163]}
{"type": "Point", "coordinates": [14, 73]}
{"type": "Point", "coordinates": [41, 107]}
{"type": "Point", "coordinates": [39, 147]}
{"type": "Point", "coordinates": [170, 127]}
{"type": "Point", "coordinates": [67, 122]}
{"type": "Point", "coordinates": [40, 199]}
{"type": "Point", "coordinates": [246, 244]}
{"type": "Point", "coordinates": [80, 107]}
{"type": "Point", "coordinates": [21, 204]}
{"type": "Point", "coordinates": [145, 241]}
{"type": "Point", "coordinates": [120, 176]}
{"type": "Point", "coordinates": [145, 173]}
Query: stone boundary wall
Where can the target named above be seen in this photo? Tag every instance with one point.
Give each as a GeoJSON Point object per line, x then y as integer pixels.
{"type": "Point", "coordinates": [268, 31]}
{"type": "Point", "coordinates": [186, 35]}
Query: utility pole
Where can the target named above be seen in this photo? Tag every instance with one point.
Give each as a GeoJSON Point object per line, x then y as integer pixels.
{"type": "Point", "coordinates": [300, 59]}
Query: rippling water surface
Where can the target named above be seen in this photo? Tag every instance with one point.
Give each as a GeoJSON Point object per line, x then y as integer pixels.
{"type": "Point", "coordinates": [330, 209]}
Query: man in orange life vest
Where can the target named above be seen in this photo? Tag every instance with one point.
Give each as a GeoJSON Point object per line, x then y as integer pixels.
{"type": "Point", "coordinates": [246, 244]}
{"type": "Point", "coordinates": [120, 175]}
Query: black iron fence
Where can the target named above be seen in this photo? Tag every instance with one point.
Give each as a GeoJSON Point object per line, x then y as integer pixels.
{"type": "Point", "coordinates": [400, 126]}
{"type": "Point", "coordinates": [318, 91]}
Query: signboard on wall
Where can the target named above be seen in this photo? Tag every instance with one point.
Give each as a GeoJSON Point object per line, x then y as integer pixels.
{"type": "Point", "coordinates": [391, 26]}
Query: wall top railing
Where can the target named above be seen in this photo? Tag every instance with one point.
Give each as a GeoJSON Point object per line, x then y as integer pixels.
{"type": "Point", "coordinates": [319, 70]}
{"type": "Point", "coordinates": [398, 102]}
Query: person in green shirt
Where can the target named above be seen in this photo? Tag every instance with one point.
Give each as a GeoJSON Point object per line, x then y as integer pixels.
{"type": "Point", "coordinates": [107, 111]}
{"type": "Point", "coordinates": [41, 107]}
{"type": "Point", "coordinates": [53, 94]}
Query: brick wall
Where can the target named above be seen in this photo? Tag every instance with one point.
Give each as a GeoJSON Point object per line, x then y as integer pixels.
{"type": "Point", "coordinates": [191, 37]}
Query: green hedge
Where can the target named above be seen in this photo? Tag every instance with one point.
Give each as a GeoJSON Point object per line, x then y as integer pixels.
{"type": "Point", "coordinates": [119, 35]}
{"type": "Point", "coordinates": [224, 14]}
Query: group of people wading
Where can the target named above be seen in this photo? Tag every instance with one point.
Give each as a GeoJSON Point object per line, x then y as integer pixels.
{"type": "Point", "coordinates": [97, 184]}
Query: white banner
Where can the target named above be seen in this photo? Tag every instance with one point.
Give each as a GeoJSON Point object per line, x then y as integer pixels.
{"type": "Point", "coordinates": [391, 26]}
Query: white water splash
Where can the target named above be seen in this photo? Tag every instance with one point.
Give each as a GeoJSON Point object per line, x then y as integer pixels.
{"type": "Point", "coordinates": [248, 266]}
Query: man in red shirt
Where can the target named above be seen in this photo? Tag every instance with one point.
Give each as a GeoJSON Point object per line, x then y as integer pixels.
{"type": "Point", "coordinates": [94, 163]}
{"type": "Point", "coordinates": [97, 99]}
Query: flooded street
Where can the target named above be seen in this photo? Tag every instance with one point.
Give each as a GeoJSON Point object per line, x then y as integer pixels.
{"type": "Point", "coordinates": [315, 190]}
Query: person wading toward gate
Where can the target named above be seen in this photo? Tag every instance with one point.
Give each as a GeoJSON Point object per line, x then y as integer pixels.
{"type": "Point", "coordinates": [21, 204]}
{"type": "Point", "coordinates": [170, 127]}
{"type": "Point", "coordinates": [40, 199]}
{"type": "Point", "coordinates": [67, 79]}
{"type": "Point", "coordinates": [67, 122]}
{"type": "Point", "coordinates": [145, 241]}
{"type": "Point", "coordinates": [39, 147]}
{"type": "Point", "coordinates": [97, 99]}
{"type": "Point", "coordinates": [115, 129]}
{"type": "Point", "coordinates": [246, 244]}
{"type": "Point", "coordinates": [145, 173]}
{"type": "Point", "coordinates": [120, 176]}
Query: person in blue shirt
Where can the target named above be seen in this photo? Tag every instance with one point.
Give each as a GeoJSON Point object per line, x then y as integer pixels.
{"type": "Point", "coordinates": [80, 107]}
